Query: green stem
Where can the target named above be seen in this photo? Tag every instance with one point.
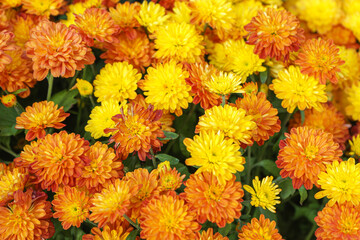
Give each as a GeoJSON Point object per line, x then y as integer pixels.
{"type": "Point", "coordinates": [311, 233]}
{"type": "Point", "coordinates": [91, 223]}
{"type": "Point", "coordinates": [78, 119]}
{"type": "Point", "coordinates": [92, 101]}
{"type": "Point", "coordinates": [153, 159]}
{"type": "Point", "coordinates": [223, 100]}
{"type": "Point", "coordinates": [93, 69]}
{"type": "Point", "coordinates": [131, 222]}
{"type": "Point", "coordinates": [50, 79]}
{"type": "Point", "coordinates": [9, 151]}
{"type": "Point", "coordinates": [285, 121]}
{"type": "Point", "coordinates": [248, 165]}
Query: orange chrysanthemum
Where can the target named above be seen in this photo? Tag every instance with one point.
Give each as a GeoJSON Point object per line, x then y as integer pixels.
{"type": "Point", "coordinates": [6, 44]}
{"type": "Point", "coordinates": [320, 58]}
{"type": "Point", "coordinates": [57, 159]}
{"type": "Point", "coordinates": [96, 23]}
{"type": "Point", "coordinates": [331, 120]}
{"type": "Point", "coordinates": [112, 202]}
{"type": "Point", "coordinates": [102, 168]}
{"type": "Point", "coordinates": [18, 74]}
{"type": "Point", "coordinates": [304, 154]}
{"type": "Point", "coordinates": [55, 47]}
{"type": "Point", "coordinates": [137, 130]}
{"type": "Point", "coordinates": [148, 184]}
{"type": "Point", "coordinates": [264, 115]}
{"type": "Point", "coordinates": [275, 33]}
{"type": "Point", "coordinates": [218, 203]}
{"type": "Point", "coordinates": [338, 222]}
{"type": "Point", "coordinates": [11, 180]}
{"type": "Point", "coordinates": [124, 16]}
{"type": "Point", "coordinates": [43, 7]}
{"type": "Point", "coordinates": [71, 207]}
{"type": "Point", "coordinates": [137, 51]}
{"type": "Point", "coordinates": [39, 116]}
{"type": "Point", "coordinates": [260, 228]}
{"type": "Point", "coordinates": [168, 217]}
{"type": "Point", "coordinates": [200, 73]}
{"type": "Point", "coordinates": [115, 231]}
{"type": "Point", "coordinates": [22, 26]}
{"type": "Point", "coordinates": [209, 235]}
{"type": "Point", "coordinates": [341, 36]}
{"type": "Point", "coordinates": [27, 217]}
{"type": "Point", "coordinates": [169, 179]}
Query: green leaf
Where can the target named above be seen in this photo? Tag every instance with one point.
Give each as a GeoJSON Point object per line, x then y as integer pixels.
{"type": "Point", "coordinates": [225, 230]}
{"type": "Point", "coordinates": [303, 194]}
{"type": "Point", "coordinates": [65, 98]}
{"type": "Point", "coordinates": [164, 157]}
{"type": "Point", "coordinates": [132, 235]}
{"type": "Point", "coordinates": [263, 76]}
{"type": "Point", "coordinates": [8, 121]}
{"type": "Point", "coordinates": [182, 169]}
{"type": "Point", "coordinates": [19, 91]}
{"type": "Point", "coordinates": [169, 136]}
{"type": "Point", "coordinates": [286, 188]}
{"type": "Point", "coordinates": [5, 141]}
{"type": "Point", "coordinates": [270, 166]}
{"type": "Point", "coordinates": [302, 113]}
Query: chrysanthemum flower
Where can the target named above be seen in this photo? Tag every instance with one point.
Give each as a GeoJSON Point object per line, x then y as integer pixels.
{"type": "Point", "coordinates": [18, 74]}
{"type": "Point", "coordinates": [260, 228]}
{"type": "Point", "coordinates": [112, 202]}
{"type": "Point", "coordinates": [224, 83]}
{"type": "Point", "coordinates": [151, 15]}
{"type": "Point", "coordinates": [355, 145]}
{"type": "Point", "coordinates": [212, 200]}
{"type": "Point", "coordinates": [58, 159]}
{"type": "Point", "coordinates": [250, 87]}
{"type": "Point", "coordinates": [352, 22]}
{"type": "Point", "coordinates": [55, 47]}
{"type": "Point", "coordinates": [263, 113]}
{"type": "Point", "coordinates": [137, 130]}
{"type": "Point", "coordinates": [168, 217]}
{"type": "Point", "coordinates": [218, 14]}
{"type": "Point", "coordinates": [11, 180]}
{"type": "Point", "coordinates": [10, 4]}
{"type": "Point", "coordinates": [84, 87]}
{"type": "Point", "coordinates": [101, 118]}
{"type": "Point", "coordinates": [178, 41]}
{"type": "Point", "coordinates": [169, 179]}
{"type": "Point", "coordinates": [352, 95]}
{"type": "Point", "coordinates": [209, 235]}
{"type": "Point", "coordinates": [71, 207]}
{"type": "Point", "coordinates": [341, 36]}
{"type": "Point", "coordinates": [304, 154]}
{"type": "Point", "coordinates": [8, 100]}
{"type": "Point", "coordinates": [211, 152]}
{"type": "Point", "coordinates": [39, 116]}
{"type": "Point", "coordinates": [298, 90]}
{"type": "Point", "coordinates": [116, 81]}
{"type": "Point", "coordinates": [181, 12]}
{"type": "Point", "coordinates": [22, 26]}
{"type": "Point", "coordinates": [148, 184]}
{"type": "Point", "coordinates": [199, 75]}
{"type": "Point", "coordinates": [124, 16]}
{"type": "Point", "coordinates": [165, 87]}
{"type": "Point", "coordinates": [27, 217]}
{"type": "Point", "coordinates": [103, 167]}
{"type": "Point", "coordinates": [338, 222]}
{"type": "Point", "coordinates": [350, 70]}
{"type": "Point", "coordinates": [320, 15]}
{"type": "Point", "coordinates": [231, 121]}
{"type": "Point", "coordinates": [138, 51]}
{"type": "Point", "coordinates": [96, 23]}
{"type": "Point", "coordinates": [264, 194]}
{"type": "Point", "coordinates": [6, 44]}
{"type": "Point", "coordinates": [117, 232]}
{"type": "Point", "coordinates": [340, 182]}
{"type": "Point", "coordinates": [331, 120]}
{"type": "Point", "coordinates": [73, 9]}
{"type": "Point", "coordinates": [43, 7]}
{"type": "Point", "coordinates": [320, 58]}
{"type": "Point", "coordinates": [275, 33]}
{"type": "Point", "coordinates": [236, 56]}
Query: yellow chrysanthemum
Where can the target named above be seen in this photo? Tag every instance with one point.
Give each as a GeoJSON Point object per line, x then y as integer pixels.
{"type": "Point", "coordinates": [178, 41]}
{"type": "Point", "coordinates": [211, 152]}
{"type": "Point", "coordinates": [264, 194]}
{"type": "Point", "coordinates": [353, 98]}
{"type": "Point", "coordinates": [229, 120]}
{"type": "Point", "coordinates": [116, 81]}
{"type": "Point", "coordinates": [320, 15]}
{"type": "Point", "coordinates": [298, 90]}
{"type": "Point", "coordinates": [166, 88]}
{"type": "Point", "coordinates": [340, 183]}
{"type": "Point", "coordinates": [217, 13]}
{"type": "Point", "coordinates": [181, 13]}
{"type": "Point", "coordinates": [100, 118]}
{"type": "Point", "coordinates": [351, 6]}
{"type": "Point", "coordinates": [236, 56]}
{"type": "Point", "coordinates": [77, 8]}
{"type": "Point", "coordinates": [355, 145]}
{"type": "Point", "coordinates": [223, 83]}
{"type": "Point", "coordinates": [43, 7]}
{"type": "Point", "coordinates": [11, 180]}
{"type": "Point", "coordinates": [272, 2]}
{"type": "Point", "coordinates": [350, 70]}
{"type": "Point", "coordinates": [151, 15]}
{"type": "Point", "coordinates": [352, 22]}
{"type": "Point", "coordinates": [84, 87]}
{"type": "Point", "coordinates": [10, 3]}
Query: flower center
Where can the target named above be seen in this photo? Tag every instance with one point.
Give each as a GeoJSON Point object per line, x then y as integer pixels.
{"type": "Point", "coordinates": [311, 152]}
{"type": "Point", "coordinates": [348, 224]}
{"type": "Point", "coordinates": [214, 193]}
